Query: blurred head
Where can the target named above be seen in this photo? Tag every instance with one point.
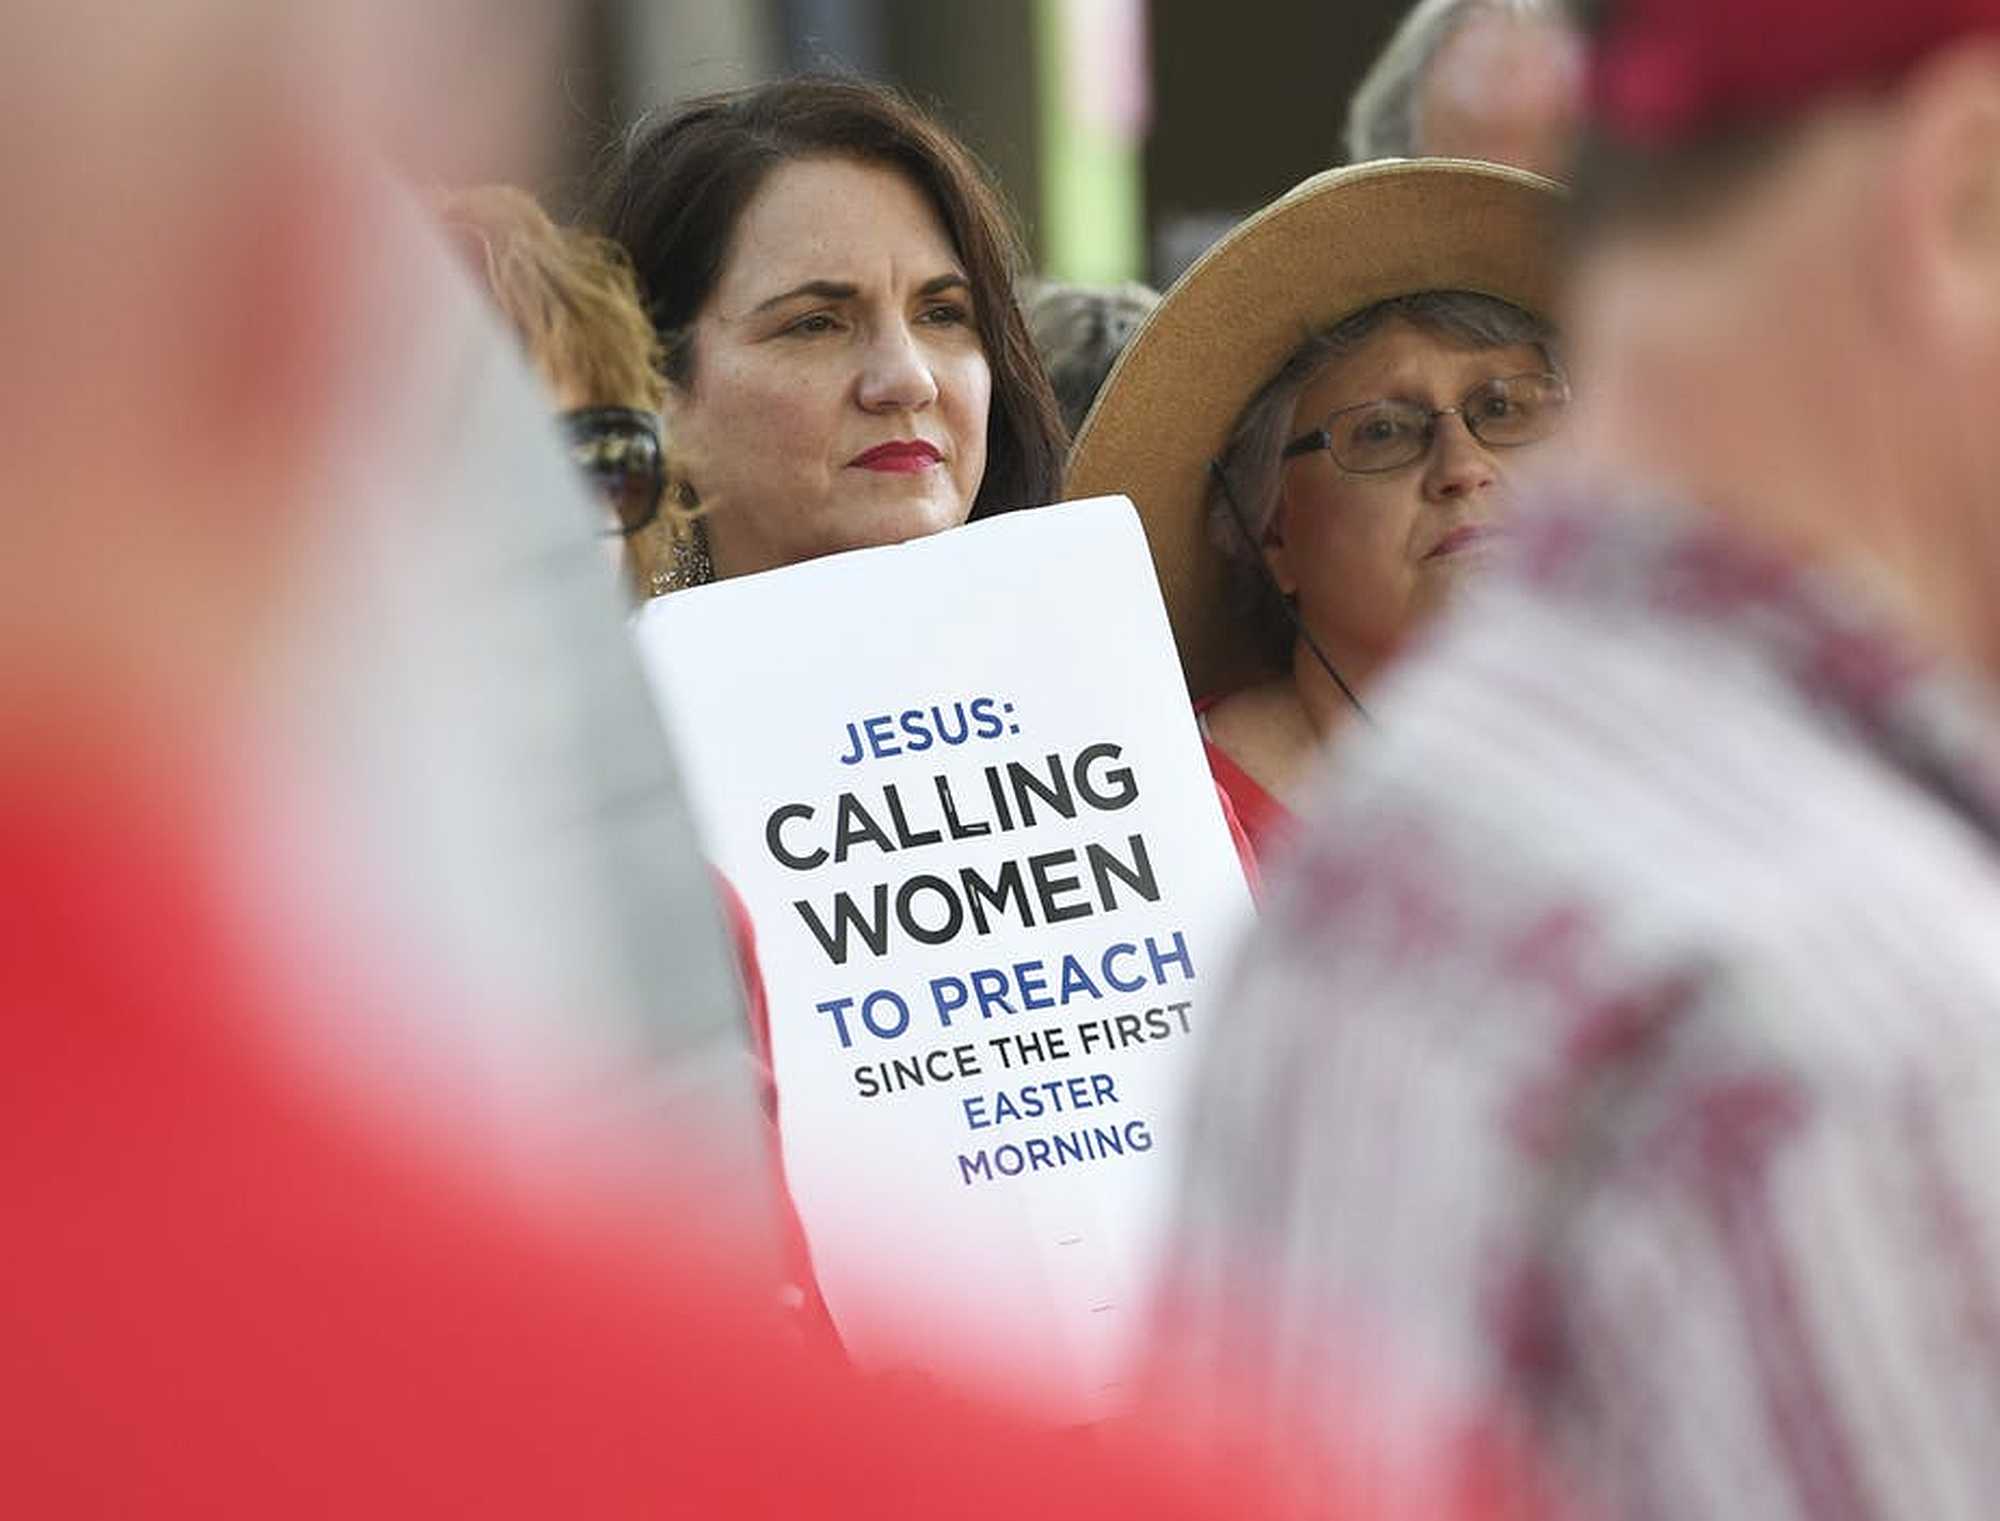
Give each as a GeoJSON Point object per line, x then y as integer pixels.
{"type": "Point", "coordinates": [177, 439]}
{"type": "Point", "coordinates": [1789, 291]}
{"type": "Point", "coordinates": [1499, 80]}
{"type": "Point", "coordinates": [207, 361]}
{"type": "Point", "coordinates": [832, 277]}
{"type": "Point", "coordinates": [1080, 330]}
{"type": "Point", "coordinates": [572, 302]}
{"type": "Point", "coordinates": [1368, 507]}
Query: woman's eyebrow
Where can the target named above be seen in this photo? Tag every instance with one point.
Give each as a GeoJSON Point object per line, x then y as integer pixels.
{"type": "Point", "coordinates": [842, 290]}
{"type": "Point", "coordinates": [825, 290]}
{"type": "Point", "coordinates": [1414, 388]}
{"type": "Point", "coordinates": [1389, 391]}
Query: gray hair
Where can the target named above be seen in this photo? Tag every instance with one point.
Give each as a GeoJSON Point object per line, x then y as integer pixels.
{"type": "Point", "coordinates": [1382, 116]}
{"type": "Point", "coordinates": [1080, 330]}
{"type": "Point", "coordinates": [1254, 456]}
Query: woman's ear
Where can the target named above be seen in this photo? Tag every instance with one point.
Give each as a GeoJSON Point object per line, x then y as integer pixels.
{"type": "Point", "coordinates": [681, 433]}
{"type": "Point", "coordinates": [1276, 547]}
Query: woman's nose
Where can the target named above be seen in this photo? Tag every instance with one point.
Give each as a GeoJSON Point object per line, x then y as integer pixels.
{"type": "Point", "coordinates": [895, 375]}
{"type": "Point", "coordinates": [1459, 464]}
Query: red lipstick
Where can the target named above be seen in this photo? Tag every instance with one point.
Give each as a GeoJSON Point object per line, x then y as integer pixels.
{"type": "Point", "coordinates": [905, 456]}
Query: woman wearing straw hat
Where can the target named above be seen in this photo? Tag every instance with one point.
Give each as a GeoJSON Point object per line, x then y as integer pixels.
{"type": "Point", "coordinates": [1319, 425]}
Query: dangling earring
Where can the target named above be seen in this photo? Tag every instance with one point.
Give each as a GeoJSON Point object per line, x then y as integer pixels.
{"type": "Point", "coordinates": [691, 563]}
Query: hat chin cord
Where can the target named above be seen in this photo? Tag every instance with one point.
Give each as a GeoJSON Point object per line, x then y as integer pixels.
{"type": "Point", "coordinates": [1242, 522]}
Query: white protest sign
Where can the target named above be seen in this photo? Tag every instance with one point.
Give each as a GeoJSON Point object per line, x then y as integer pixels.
{"type": "Point", "coordinates": [958, 785]}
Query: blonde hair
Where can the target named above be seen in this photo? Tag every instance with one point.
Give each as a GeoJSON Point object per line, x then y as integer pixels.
{"type": "Point", "coordinates": [569, 295]}
{"type": "Point", "coordinates": [573, 301]}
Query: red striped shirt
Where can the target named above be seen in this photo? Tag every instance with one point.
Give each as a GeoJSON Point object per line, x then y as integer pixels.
{"type": "Point", "coordinates": [1618, 1058]}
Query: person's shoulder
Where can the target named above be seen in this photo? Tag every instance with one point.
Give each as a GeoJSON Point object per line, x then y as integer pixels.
{"type": "Point", "coordinates": [1264, 732]}
{"type": "Point", "coordinates": [1585, 787]}
{"type": "Point", "coordinates": [1581, 711]}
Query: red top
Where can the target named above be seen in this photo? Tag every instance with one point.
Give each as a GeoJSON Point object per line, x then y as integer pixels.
{"type": "Point", "coordinates": [1256, 818]}
{"type": "Point", "coordinates": [225, 1293]}
{"type": "Point", "coordinates": [814, 1317]}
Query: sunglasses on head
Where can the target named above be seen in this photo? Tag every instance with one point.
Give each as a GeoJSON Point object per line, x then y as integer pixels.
{"type": "Point", "coordinates": [619, 449]}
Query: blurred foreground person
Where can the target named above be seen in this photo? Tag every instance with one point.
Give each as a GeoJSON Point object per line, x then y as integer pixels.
{"type": "Point", "coordinates": [572, 302]}
{"type": "Point", "coordinates": [1499, 80]}
{"type": "Point", "coordinates": [1080, 330]}
{"type": "Point", "coordinates": [1620, 1058]}
{"type": "Point", "coordinates": [1322, 425]}
{"type": "Point", "coordinates": [833, 277]}
{"type": "Point", "coordinates": [248, 1273]}
{"type": "Point", "coordinates": [451, 754]}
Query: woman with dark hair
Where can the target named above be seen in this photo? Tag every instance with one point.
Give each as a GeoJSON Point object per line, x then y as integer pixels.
{"type": "Point", "coordinates": [832, 279]}
{"type": "Point", "coordinates": [832, 276]}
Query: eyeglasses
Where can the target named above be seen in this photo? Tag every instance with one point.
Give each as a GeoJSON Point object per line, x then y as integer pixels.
{"type": "Point", "coordinates": [619, 449]}
{"type": "Point", "coordinates": [1374, 436]}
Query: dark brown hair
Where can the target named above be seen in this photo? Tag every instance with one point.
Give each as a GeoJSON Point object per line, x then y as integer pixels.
{"type": "Point", "coordinates": [673, 191]}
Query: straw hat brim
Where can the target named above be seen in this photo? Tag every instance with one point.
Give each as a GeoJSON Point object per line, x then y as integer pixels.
{"type": "Point", "coordinates": [1340, 241]}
